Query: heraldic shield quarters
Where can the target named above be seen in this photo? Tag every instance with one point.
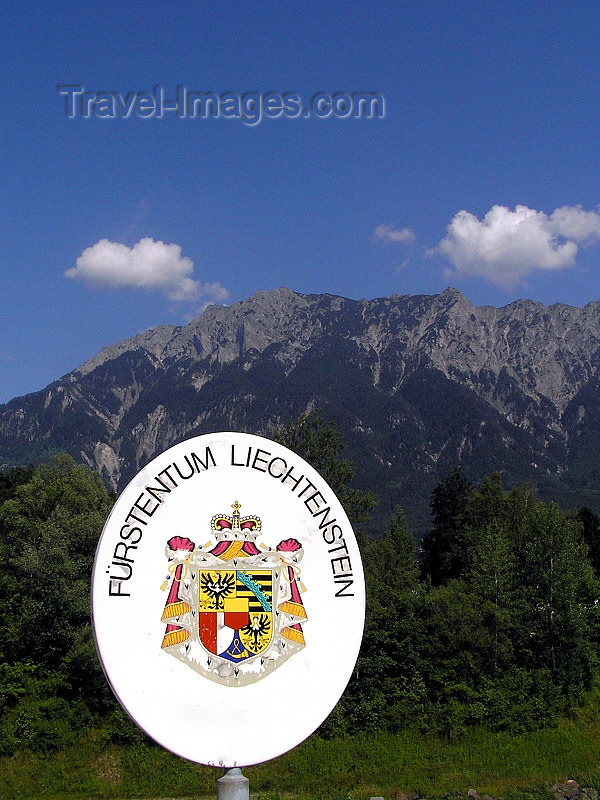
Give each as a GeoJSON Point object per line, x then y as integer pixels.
{"type": "Point", "coordinates": [234, 610]}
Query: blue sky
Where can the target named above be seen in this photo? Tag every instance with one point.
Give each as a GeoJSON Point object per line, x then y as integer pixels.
{"type": "Point", "coordinates": [483, 173]}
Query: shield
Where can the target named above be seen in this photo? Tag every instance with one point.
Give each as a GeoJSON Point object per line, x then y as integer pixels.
{"type": "Point", "coordinates": [235, 612]}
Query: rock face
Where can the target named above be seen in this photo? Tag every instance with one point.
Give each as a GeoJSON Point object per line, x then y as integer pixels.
{"type": "Point", "coordinates": [417, 384]}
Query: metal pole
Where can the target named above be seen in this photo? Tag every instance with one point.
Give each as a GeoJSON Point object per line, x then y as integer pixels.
{"type": "Point", "coordinates": [233, 785]}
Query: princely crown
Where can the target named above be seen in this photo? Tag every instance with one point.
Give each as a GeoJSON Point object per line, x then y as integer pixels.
{"type": "Point", "coordinates": [227, 527]}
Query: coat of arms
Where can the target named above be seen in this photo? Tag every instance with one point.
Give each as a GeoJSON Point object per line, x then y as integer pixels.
{"type": "Point", "coordinates": [234, 608]}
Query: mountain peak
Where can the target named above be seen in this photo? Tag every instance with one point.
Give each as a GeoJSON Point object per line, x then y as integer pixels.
{"type": "Point", "coordinates": [451, 292]}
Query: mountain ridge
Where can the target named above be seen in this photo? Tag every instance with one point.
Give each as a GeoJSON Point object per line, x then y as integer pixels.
{"type": "Point", "coordinates": [417, 384]}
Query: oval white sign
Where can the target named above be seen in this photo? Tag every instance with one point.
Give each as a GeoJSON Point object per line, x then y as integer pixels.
{"type": "Point", "coordinates": [228, 599]}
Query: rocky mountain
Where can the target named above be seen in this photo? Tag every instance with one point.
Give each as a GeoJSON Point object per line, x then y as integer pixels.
{"type": "Point", "coordinates": [417, 384]}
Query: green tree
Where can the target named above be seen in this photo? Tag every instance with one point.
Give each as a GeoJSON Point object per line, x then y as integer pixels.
{"type": "Point", "coordinates": [488, 502]}
{"type": "Point", "coordinates": [49, 528]}
{"type": "Point", "coordinates": [495, 526]}
{"type": "Point", "coordinates": [11, 479]}
{"type": "Point", "coordinates": [512, 639]}
{"type": "Point", "coordinates": [453, 655]}
{"type": "Point", "coordinates": [561, 593]}
{"type": "Point", "coordinates": [493, 579]}
{"type": "Point", "coordinates": [443, 548]}
{"type": "Point", "coordinates": [388, 690]}
{"type": "Point", "coordinates": [590, 529]}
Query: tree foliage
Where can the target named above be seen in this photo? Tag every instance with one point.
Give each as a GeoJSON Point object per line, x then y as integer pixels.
{"type": "Point", "coordinates": [387, 688]}
{"type": "Point", "coordinates": [495, 621]}
{"type": "Point", "coordinates": [590, 531]}
{"type": "Point", "coordinates": [50, 521]}
{"type": "Point", "coordinates": [444, 549]}
{"type": "Point", "coordinates": [516, 615]}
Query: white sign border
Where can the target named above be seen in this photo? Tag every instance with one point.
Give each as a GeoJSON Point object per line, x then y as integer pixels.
{"type": "Point", "coordinates": [184, 712]}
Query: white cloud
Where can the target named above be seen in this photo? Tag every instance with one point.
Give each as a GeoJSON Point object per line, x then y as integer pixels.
{"type": "Point", "coordinates": [387, 233]}
{"type": "Point", "coordinates": [573, 222]}
{"type": "Point", "coordinates": [149, 265]}
{"type": "Point", "coordinates": [506, 246]}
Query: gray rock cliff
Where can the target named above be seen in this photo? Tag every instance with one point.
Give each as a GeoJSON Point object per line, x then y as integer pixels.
{"type": "Point", "coordinates": [418, 384]}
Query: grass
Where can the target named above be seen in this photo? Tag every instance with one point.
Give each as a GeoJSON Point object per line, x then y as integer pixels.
{"type": "Point", "coordinates": [494, 764]}
{"type": "Point", "coordinates": [357, 768]}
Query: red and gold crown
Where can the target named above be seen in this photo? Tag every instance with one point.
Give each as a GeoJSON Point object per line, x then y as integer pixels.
{"type": "Point", "coordinates": [227, 528]}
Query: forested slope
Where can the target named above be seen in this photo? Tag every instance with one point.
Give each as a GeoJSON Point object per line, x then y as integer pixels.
{"type": "Point", "coordinates": [418, 385]}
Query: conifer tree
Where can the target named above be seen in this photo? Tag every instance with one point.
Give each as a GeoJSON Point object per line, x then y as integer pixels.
{"type": "Point", "coordinates": [590, 528]}
{"type": "Point", "coordinates": [443, 548]}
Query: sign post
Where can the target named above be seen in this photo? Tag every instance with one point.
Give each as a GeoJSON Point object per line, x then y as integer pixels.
{"type": "Point", "coordinates": [228, 601]}
{"type": "Point", "coordinates": [233, 785]}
